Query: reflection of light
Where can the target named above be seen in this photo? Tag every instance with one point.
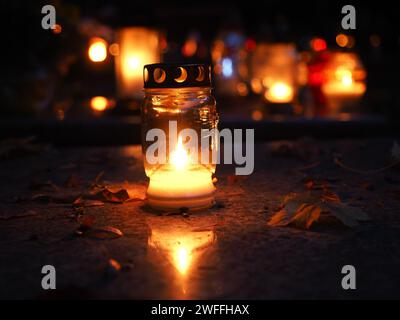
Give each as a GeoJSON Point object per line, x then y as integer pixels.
{"type": "Point", "coordinates": [182, 258]}
{"type": "Point", "coordinates": [279, 92]}
{"type": "Point", "coordinates": [318, 44]}
{"type": "Point", "coordinates": [97, 50]}
{"type": "Point", "coordinates": [179, 157]}
{"type": "Point", "coordinates": [227, 67]}
{"type": "Point", "coordinates": [342, 40]}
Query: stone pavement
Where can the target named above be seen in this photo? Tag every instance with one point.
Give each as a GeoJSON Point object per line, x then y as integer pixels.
{"type": "Point", "coordinates": [225, 252]}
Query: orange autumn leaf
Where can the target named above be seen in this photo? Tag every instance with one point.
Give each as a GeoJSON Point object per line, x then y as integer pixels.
{"type": "Point", "coordinates": [304, 209]}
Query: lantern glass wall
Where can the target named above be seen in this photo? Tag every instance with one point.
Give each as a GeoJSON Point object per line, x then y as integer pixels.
{"type": "Point", "coordinates": [275, 72]}
{"type": "Point", "coordinates": [184, 180]}
{"type": "Point", "coordinates": [137, 46]}
{"type": "Point", "coordinates": [344, 81]}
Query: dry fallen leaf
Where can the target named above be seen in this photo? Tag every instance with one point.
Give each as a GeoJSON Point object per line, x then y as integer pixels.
{"type": "Point", "coordinates": [304, 209]}
{"type": "Point", "coordinates": [103, 233]}
{"type": "Point", "coordinates": [113, 268]}
{"type": "Point", "coordinates": [106, 194]}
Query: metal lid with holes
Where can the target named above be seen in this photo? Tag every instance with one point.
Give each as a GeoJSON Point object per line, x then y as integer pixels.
{"type": "Point", "coordinates": [166, 75]}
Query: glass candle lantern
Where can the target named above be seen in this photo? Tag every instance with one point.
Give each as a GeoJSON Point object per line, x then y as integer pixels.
{"type": "Point", "coordinates": [343, 81]}
{"type": "Point", "coordinates": [177, 102]}
{"type": "Point", "coordinates": [137, 46]}
{"type": "Point", "coordinates": [274, 72]}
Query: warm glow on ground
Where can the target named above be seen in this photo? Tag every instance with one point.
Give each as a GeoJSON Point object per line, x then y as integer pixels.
{"type": "Point", "coordinates": [97, 50]}
{"type": "Point", "coordinates": [182, 247]}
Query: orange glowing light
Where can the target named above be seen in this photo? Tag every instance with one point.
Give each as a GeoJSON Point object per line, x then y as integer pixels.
{"type": "Point", "coordinates": [351, 41]}
{"type": "Point", "coordinates": [242, 89]}
{"type": "Point", "coordinates": [114, 49]}
{"type": "Point", "coordinates": [318, 44]}
{"type": "Point", "coordinates": [189, 48]}
{"type": "Point", "coordinates": [279, 92]}
{"type": "Point", "coordinates": [57, 28]}
{"type": "Point", "coordinates": [99, 103]}
{"type": "Point", "coordinates": [256, 115]}
{"type": "Point", "coordinates": [181, 246]}
{"type": "Point", "coordinates": [342, 40]}
{"type": "Point", "coordinates": [97, 50]}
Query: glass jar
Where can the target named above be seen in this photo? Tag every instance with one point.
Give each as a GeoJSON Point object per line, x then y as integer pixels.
{"type": "Point", "coordinates": [177, 110]}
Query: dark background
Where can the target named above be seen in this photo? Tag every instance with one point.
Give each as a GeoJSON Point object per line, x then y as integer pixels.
{"type": "Point", "coordinates": [29, 51]}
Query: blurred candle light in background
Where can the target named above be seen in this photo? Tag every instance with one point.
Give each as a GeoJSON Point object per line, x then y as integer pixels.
{"type": "Point", "coordinates": [318, 44]}
{"type": "Point", "coordinates": [275, 69]}
{"type": "Point", "coordinates": [97, 51]}
{"type": "Point", "coordinates": [344, 81]}
{"type": "Point", "coordinates": [137, 46]}
{"type": "Point", "coordinates": [230, 60]}
{"type": "Point", "coordinates": [99, 104]}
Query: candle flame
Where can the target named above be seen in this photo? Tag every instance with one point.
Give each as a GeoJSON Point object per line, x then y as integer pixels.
{"type": "Point", "coordinates": [97, 50]}
{"type": "Point", "coordinates": [345, 76]}
{"type": "Point", "coordinates": [179, 157]}
{"type": "Point", "coordinates": [279, 92]}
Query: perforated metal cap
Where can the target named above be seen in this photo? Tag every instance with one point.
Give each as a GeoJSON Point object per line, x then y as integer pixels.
{"type": "Point", "coordinates": [166, 75]}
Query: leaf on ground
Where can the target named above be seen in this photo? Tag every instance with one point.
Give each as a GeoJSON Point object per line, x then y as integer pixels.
{"type": "Point", "coordinates": [104, 233]}
{"type": "Point", "coordinates": [64, 195]}
{"type": "Point", "coordinates": [304, 209]}
{"type": "Point", "coordinates": [113, 268]}
{"type": "Point", "coordinates": [107, 195]}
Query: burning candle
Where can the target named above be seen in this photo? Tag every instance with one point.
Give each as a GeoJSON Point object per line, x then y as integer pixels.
{"type": "Point", "coordinates": [279, 92]}
{"type": "Point", "coordinates": [137, 46]}
{"type": "Point", "coordinates": [178, 97]}
{"type": "Point", "coordinates": [97, 51]}
{"type": "Point", "coordinates": [344, 81]}
{"type": "Point", "coordinates": [274, 72]}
